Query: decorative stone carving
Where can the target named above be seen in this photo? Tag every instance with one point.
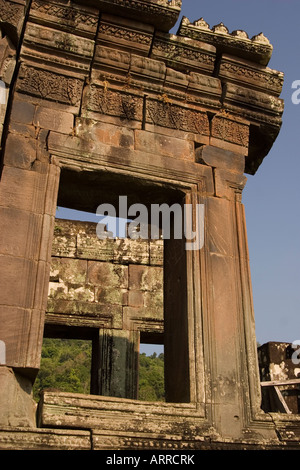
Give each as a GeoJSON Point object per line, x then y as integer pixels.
{"type": "Point", "coordinates": [224, 128]}
{"type": "Point", "coordinates": [67, 17]}
{"type": "Point", "coordinates": [71, 51]}
{"type": "Point", "coordinates": [162, 14]}
{"type": "Point", "coordinates": [125, 33]}
{"type": "Point", "coordinates": [115, 103]}
{"type": "Point", "coordinates": [182, 55]}
{"type": "Point", "coordinates": [49, 85]}
{"type": "Point", "coordinates": [166, 114]}
{"type": "Point", "coordinates": [241, 71]}
{"type": "Point", "coordinates": [237, 43]}
{"type": "Point", "coordinates": [11, 18]}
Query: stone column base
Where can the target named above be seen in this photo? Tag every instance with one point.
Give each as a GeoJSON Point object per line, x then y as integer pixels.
{"type": "Point", "coordinates": [17, 407]}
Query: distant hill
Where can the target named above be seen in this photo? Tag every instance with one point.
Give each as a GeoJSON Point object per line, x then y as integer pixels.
{"type": "Point", "coordinates": [65, 366]}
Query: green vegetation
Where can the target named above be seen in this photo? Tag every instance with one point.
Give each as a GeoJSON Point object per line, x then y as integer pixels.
{"type": "Point", "coordinates": [151, 377]}
{"type": "Point", "coordinates": [66, 363]}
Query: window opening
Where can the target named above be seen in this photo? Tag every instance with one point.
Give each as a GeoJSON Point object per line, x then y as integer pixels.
{"type": "Point", "coordinates": [65, 366]}
{"type": "Point", "coordinates": [151, 373]}
{"type": "Point", "coordinates": [99, 306]}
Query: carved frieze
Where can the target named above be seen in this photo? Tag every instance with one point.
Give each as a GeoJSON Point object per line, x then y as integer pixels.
{"type": "Point", "coordinates": [183, 55]}
{"type": "Point", "coordinates": [12, 15]}
{"type": "Point", "coordinates": [166, 114]}
{"type": "Point", "coordinates": [244, 72]}
{"type": "Point", "coordinates": [103, 100]}
{"type": "Point", "coordinates": [49, 85]}
{"type": "Point", "coordinates": [125, 34]}
{"type": "Point", "coordinates": [230, 130]}
{"type": "Point", "coordinates": [252, 104]}
{"type": "Point", "coordinates": [60, 49]}
{"type": "Point", "coordinates": [66, 16]}
{"type": "Point", "coordinates": [162, 14]}
{"type": "Point", "coordinates": [116, 61]}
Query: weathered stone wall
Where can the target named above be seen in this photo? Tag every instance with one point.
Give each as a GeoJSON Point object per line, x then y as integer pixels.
{"type": "Point", "coordinates": [112, 288]}
{"type": "Point", "coordinates": [118, 282]}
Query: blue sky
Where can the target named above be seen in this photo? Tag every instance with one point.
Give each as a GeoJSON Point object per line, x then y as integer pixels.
{"type": "Point", "coordinates": [272, 196]}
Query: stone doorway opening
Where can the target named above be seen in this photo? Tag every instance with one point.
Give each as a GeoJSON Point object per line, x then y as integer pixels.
{"type": "Point", "coordinates": [119, 292]}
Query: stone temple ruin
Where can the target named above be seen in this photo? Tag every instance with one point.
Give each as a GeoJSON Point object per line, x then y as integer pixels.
{"type": "Point", "coordinates": [99, 100]}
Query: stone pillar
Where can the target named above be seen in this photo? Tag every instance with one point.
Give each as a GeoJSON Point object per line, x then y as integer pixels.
{"type": "Point", "coordinates": [234, 367]}
{"type": "Point", "coordinates": [27, 210]}
{"type": "Point", "coordinates": [118, 363]}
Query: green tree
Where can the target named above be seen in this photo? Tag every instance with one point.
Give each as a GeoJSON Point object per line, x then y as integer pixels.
{"type": "Point", "coordinates": [66, 366]}
{"type": "Point", "coordinates": [151, 377]}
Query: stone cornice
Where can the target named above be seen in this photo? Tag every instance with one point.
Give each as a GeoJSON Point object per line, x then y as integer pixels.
{"type": "Point", "coordinates": [257, 49]}
{"type": "Point", "coordinates": [162, 14]}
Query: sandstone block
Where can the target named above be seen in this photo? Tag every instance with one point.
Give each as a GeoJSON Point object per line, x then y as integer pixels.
{"type": "Point", "coordinates": [107, 274]}
{"type": "Point", "coordinates": [17, 290]}
{"type": "Point", "coordinates": [164, 145]}
{"type": "Point", "coordinates": [220, 158]}
{"type": "Point", "coordinates": [69, 271]}
{"type": "Point", "coordinates": [228, 183]}
{"type": "Point", "coordinates": [58, 121]}
{"type": "Point", "coordinates": [105, 133]}
{"type": "Point", "coordinates": [17, 407]}
{"type": "Point", "coordinates": [22, 111]}
{"type": "Point", "coordinates": [220, 228]}
{"type": "Point", "coordinates": [20, 233]}
{"type": "Point", "coordinates": [135, 298]}
{"type": "Point", "coordinates": [145, 278]}
{"type": "Point", "coordinates": [22, 333]}
{"type": "Point", "coordinates": [20, 151]}
{"type": "Point", "coordinates": [29, 196]}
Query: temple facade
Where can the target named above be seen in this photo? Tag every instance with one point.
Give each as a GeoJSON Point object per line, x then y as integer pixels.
{"type": "Point", "coordinates": [98, 101]}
